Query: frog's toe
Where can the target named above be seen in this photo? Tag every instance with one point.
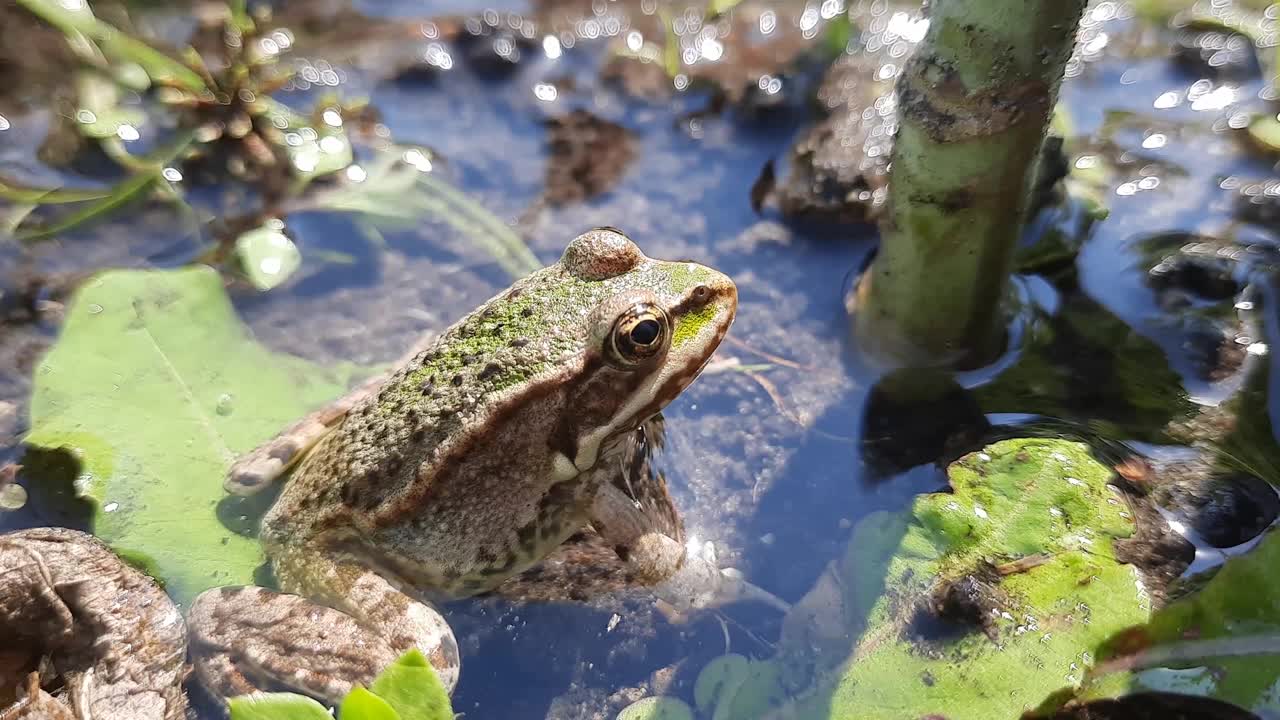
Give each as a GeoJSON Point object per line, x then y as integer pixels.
{"type": "Point", "coordinates": [246, 639]}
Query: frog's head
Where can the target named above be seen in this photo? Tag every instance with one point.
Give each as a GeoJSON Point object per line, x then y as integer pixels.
{"type": "Point", "coordinates": [651, 326]}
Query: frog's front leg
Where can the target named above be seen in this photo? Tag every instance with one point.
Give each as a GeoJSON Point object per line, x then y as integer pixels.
{"type": "Point", "coordinates": [250, 638]}
{"type": "Point", "coordinates": [253, 472]}
{"type": "Point", "coordinates": [635, 516]}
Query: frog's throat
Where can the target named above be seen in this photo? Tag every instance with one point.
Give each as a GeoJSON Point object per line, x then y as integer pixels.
{"type": "Point", "coordinates": [680, 368]}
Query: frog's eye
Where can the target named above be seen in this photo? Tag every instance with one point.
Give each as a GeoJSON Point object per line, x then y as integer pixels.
{"type": "Point", "coordinates": [638, 334]}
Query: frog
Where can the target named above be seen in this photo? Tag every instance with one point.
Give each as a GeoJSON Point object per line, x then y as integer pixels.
{"type": "Point", "coordinates": [513, 443]}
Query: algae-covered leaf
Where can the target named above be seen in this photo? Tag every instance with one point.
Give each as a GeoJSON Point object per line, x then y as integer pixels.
{"type": "Point", "coordinates": [656, 708]}
{"type": "Point", "coordinates": [1221, 641]}
{"type": "Point", "coordinates": [994, 595]}
{"type": "Point", "coordinates": [156, 387]}
{"type": "Point", "coordinates": [276, 706]}
{"type": "Point", "coordinates": [413, 689]}
{"type": "Point", "coordinates": [360, 704]}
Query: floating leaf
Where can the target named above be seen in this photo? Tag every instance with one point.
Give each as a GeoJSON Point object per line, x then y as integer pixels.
{"type": "Point", "coordinates": [413, 689]}
{"type": "Point", "coordinates": [156, 386]}
{"type": "Point", "coordinates": [360, 704]}
{"type": "Point", "coordinates": [656, 708]}
{"type": "Point", "coordinates": [1220, 642]}
{"type": "Point", "coordinates": [276, 706]}
{"type": "Point", "coordinates": [267, 255]}
{"type": "Point", "coordinates": [1020, 559]}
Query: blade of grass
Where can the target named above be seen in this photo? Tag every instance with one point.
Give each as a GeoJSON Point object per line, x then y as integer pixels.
{"type": "Point", "coordinates": [15, 193]}
{"type": "Point", "coordinates": [78, 18]}
{"type": "Point", "coordinates": [125, 192]}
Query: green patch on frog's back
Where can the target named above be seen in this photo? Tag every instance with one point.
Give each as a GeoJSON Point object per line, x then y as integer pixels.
{"type": "Point", "coordinates": [521, 335]}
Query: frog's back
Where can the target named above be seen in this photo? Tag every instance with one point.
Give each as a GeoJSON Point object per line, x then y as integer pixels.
{"type": "Point", "coordinates": [439, 401]}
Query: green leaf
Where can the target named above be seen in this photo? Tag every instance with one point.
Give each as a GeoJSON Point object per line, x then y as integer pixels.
{"type": "Point", "coordinates": [657, 708]}
{"type": "Point", "coordinates": [276, 706]}
{"type": "Point", "coordinates": [411, 687]}
{"type": "Point", "coordinates": [716, 8]}
{"type": "Point", "coordinates": [74, 17]}
{"type": "Point", "coordinates": [1044, 502]}
{"type": "Point", "coordinates": [314, 151]}
{"type": "Point", "coordinates": [1264, 131]}
{"type": "Point", "coordinates": [16, 193]}
{"type": "Point", "coordinates": [398, 187]}
{"type": "Point", "coordinates": [360, 704]}
{"type": "Point", "coordinates": [100, 114]}
{"type": "Point", "coordinates": [156, 387]}
{"type": "Point", "coordinates": [122, 194]}
{"type": "Point", "coordinates": [1234, 620]}
{"type": "Point", "coordinates": [718, 680]}
{"type": "Point", "coordinates": [267, 255]}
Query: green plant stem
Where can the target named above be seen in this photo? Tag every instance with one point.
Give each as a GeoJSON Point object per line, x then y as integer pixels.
{"type": "Point", "coordinates": [974, 104]}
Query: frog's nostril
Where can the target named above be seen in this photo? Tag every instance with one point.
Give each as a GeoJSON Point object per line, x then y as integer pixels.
{"type": "Point", "coordinates": [701, 293]}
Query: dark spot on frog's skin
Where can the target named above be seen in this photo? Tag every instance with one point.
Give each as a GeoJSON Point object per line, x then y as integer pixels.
{"type": "Point", "coordinates": [486, 557]}
{"type": "Point", "coordinates": [623, 552]}
{"type": "Point", "coordinates": [417, 436]}
{"type": "Point", "coordinates": [411, 416]}
{"type": "Point", "coordinates": [490, 370]}
{"type": "Point", "coordinates": [527, 312]}
{"type": "Point", "coordinates": [349, 496]}
{"type": "Point", "coordinates": [468, 359]}
{"type": "Point", "coordinates": [456, 380]}
{"type": "Point", "coordinates": [519, 342]}
{"type": "Point", "coordinates": [527, 535]}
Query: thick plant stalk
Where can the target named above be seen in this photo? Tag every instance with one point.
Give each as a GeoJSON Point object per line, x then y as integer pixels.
{"type": "Point", "coordinates": [974, 103]}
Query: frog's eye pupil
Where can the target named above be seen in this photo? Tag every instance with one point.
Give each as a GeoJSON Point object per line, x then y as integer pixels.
{"type": "Point", "coordinates": [646, 332]}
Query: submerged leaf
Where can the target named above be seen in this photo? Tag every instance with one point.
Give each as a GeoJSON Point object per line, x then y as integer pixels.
{"type": "Point", "coordinates": [156, 387]}
{"type": "Point", "coordinates": [276, 706]}
{"type": "Point", "coordinates": [656, 708]}
{"type": "Point", "coordinates": [267, 255]}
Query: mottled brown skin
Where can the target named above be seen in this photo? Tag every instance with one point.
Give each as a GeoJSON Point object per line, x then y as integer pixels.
{"type": "Point", "coordinates": [483, 454]}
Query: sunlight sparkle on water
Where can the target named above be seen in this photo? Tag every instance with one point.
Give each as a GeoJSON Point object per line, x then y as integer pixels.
{"type": "Point", "coordinates": [1167, 100]}
{"type": "Point", "coordinates": [418, 159]}
{"type": "Point", "coordinates": [4, 123]}
{"type": "Point", "coordinates": [768, 22]}
{"type": "Point", "coordinates": [355, 173]}
{"type": "Point", "coordinates": [1154, 140]}
{"type": "Point", "coordinates": [127, 132]}
{"type": "Point", "coordinates": [546, 92]}
{"type": "Point", "coordinates": [551, 46]}
{"type": "Point", "coordinates": [171, 174]}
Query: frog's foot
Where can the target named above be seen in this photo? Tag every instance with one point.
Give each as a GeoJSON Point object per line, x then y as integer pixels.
{"type": "Point", "coordinates": [247, 639]}
{"type": "Point", "coordinates": [269, 461]}
{"type": "Point", "coordinates": [250, 638]}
